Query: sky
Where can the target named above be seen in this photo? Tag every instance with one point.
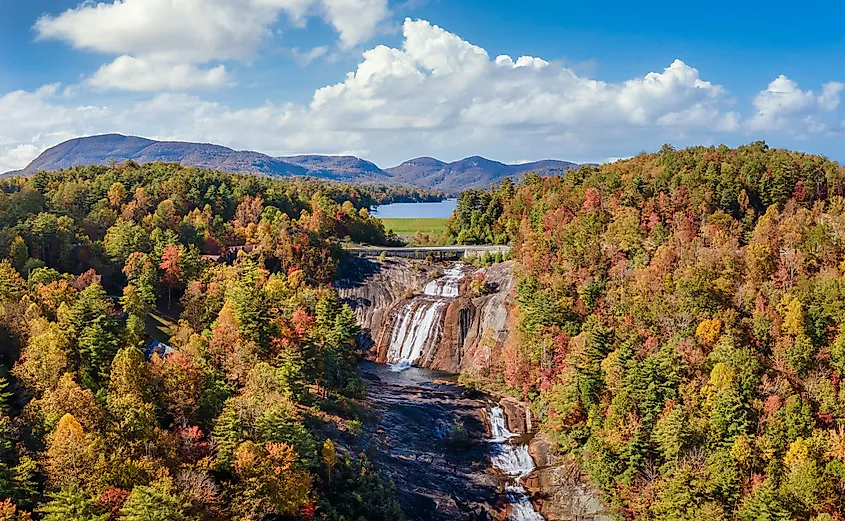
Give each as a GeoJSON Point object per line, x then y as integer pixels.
{"type": "Point", "coordinates": [389, 80]}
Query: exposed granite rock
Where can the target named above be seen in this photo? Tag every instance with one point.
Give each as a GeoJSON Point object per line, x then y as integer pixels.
{"type": "Point", "coordinates": [541, 449]}
{"type": "Point", "coordinates": [436, 478]}
{"type": "Point", "coordinates": [487, 318]}
{"type": "Point", "coordinates": [559, 490]}
{"type": "Point", "coordinates": [375, 290]}
{"type": "Point", "coordinates": [473, 328]}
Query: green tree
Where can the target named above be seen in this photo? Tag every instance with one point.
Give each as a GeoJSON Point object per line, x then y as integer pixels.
{"type": "Point", "coordinates": [147, 503]}
{"type": "Point", "coordinates": [71, 504]}
{"type": "Point", "coordinates": [18, 253]}
{"type": "Point", "coordinates": [125, 238]}
{"type": "Point", "coordinates": [764, 504]}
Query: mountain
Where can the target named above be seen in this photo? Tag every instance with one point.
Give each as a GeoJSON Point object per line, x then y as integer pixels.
{"type": "Point", "coordinates": [472, 172]}
{"type": "Point", "coordinates": [423, 172]}
{"type": "Point", "coordinates": [99, 150]}
{"type": "Point", "coordinates": [340, 168]}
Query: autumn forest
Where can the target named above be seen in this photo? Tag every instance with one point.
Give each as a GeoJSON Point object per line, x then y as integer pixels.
{"type": "Point", "coordinates": [172, 347]}
{"type": "Point", "coordinates": [681, 327]}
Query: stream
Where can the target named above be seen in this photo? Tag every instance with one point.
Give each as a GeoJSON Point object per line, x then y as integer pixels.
{"type": "Point", "coordinates": [450, 455]}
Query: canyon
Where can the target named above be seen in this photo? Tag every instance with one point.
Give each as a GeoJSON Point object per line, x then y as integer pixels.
{"type": "Point", "coordinates": [452, 453]}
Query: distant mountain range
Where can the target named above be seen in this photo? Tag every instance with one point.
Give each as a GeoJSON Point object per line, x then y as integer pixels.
{"type": "Point", "coordinates": [423, 172]}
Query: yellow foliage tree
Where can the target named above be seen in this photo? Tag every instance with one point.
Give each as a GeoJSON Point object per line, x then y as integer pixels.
{"type": "Point", "coordinates": [270, 482]}
{"type": "Point", "coordinates": [72, 456]}
{"type": "Point", "coordinates": [793, 316]}
{"type": "Point", "coordinates": [44, 360]}
{"type": "Point", "coordinates": [708, 331]}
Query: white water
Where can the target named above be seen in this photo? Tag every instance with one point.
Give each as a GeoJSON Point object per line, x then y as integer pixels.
{"type": "Point", "coordinates": [421, 320]}
{"type": "Point", "coordinates": [521, 507]}
{"type": "Point", "coordinates": [515, 462]}
{"type": "Point", "coordinates": [420, 325]}
{"type": "Point", "coordinates": [448, 285]}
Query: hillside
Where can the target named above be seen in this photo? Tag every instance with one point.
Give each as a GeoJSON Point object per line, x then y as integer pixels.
{"type": "Point", "coordinates": [680, 327]}
{"type": "Point", "coordinates": [259, 348]}
{"type": "Point", "coordinates": [428, 173]}
{"type": "Point", "coordinates": [472, 172]}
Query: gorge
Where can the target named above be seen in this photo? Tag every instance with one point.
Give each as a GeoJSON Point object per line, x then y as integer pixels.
{"type": "Point", "coordinates": [453, 454]}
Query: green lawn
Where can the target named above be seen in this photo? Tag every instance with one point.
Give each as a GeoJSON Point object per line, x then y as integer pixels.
{"type": "Point", "coordinates": [408, 227]}
{"type": "Point", "coordinates": [160, 327]}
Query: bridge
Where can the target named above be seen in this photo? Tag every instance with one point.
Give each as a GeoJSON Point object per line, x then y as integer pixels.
{"type": "Point", "coordinates": [424, 252]}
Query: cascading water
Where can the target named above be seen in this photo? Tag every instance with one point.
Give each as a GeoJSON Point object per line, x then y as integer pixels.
{"type": "Point", "coordinates": [447, 285]}
{"type": "Point", "coordinates": [420, 322]}
{"type": "Point", "coordinates": [515, 462]}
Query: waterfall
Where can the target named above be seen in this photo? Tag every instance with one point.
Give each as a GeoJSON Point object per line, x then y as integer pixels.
{"type": "Point", "coordinates": [420, 322]}
{"type": "Point", "coordinates": [420, 325]}
{"type": "Point", "coordinates": [448, 284]}
{"type": "Point", "coordinates": [515, 462]}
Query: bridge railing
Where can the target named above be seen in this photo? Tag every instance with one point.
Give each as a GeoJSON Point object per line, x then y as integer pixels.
{"type": "Point", "coordinates": [424, 252]}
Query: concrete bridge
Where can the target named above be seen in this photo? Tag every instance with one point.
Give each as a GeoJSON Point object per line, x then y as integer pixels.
{"type": "Point", "coordinates": [424, 252]}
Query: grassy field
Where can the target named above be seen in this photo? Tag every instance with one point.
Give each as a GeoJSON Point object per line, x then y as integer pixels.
{"type": "Point", "coordinates": [408, 227]}
{"type": "Point", "coordinates": [160, 327]}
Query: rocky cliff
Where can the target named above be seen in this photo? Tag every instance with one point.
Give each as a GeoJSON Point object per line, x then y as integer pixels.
{"type": "Point", "coordinates": [471, 330]}
{"type": "Point", "coordinates": [558, 488]}
{"type": "Point", "coordinates": [375, 289]}
{"type": "Point", "coordinates": [472, 327]}
{"type": "Point", "coordinates": [475, 328]}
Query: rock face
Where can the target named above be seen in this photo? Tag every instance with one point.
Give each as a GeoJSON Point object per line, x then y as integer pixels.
{"type": "Point", "coordinates": [558, 489]}
{"type": "Point", "coordinates": [475, 328]}
{"type": "Point", "coordinates": [472, 328]}
{"type": "Point", "coordinates": [375, 290]}
{"type": "Point", "coordinates": [440, 476]}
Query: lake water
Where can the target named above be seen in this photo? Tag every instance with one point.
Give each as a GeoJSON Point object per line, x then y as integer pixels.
{"type": "Point", "coordinates": [441, 210]}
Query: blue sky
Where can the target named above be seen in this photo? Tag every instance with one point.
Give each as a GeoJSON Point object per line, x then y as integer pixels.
{"type": "Point", "coordinates": [390, 80]}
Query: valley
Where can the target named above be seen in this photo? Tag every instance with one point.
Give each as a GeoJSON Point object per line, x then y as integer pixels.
{"type": "Point", "coordinates": [454, 454]}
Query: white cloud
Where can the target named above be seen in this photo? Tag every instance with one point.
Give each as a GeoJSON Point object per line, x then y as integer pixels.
{"type": "Point", "coordinates": [199, 31]}
{"type": "Point", "coordinates": [160, 42]}
{"type": "Point", "coordinates": [435, 95]}
{"type": "Point", "coordinates": [304, 58]}
{"type": "Point", "coordinates": [355, 20]}
{"type": "Point", "coordinates": [17, 157]}
{"type": "Point", "coordinates": [192, 31]}
{"type": "Point", "coordinates": [136, 74]}
{"type": "Point", "coordinates": [439, 81]}
{"type": "Point", "coordinates": [784, 107]}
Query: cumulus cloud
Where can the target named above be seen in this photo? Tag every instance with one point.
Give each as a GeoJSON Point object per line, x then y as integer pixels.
{"type": "Point", "coordinates": [14, 158]}
{"type": "Point", "coordinates": [199, 31]}
{"type": "Point", "coordinates": [783, 106]}
{"type": "Point", "coordinates": [436, 94]}
{"type": "Point", "coordinates": [355, 20]}
{"type": "Point", "coordinates": [438, 80]}
{"type": "Point", "coordinates": [31, 122]}
{"type": "Point", "coordinates": [170, 36]}
{"type": "Point", "coordinates": [136, 74]}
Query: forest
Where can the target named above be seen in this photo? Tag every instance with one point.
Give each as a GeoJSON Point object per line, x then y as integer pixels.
{"type": "Point", "coordinates": [250, 413]}
{"type": "Point", "coordinates": [679, 330]}
{"type": "Point", "coordinates": [680, 327]}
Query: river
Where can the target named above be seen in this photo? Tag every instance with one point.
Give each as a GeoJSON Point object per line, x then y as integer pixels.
{"type": "Point", "coordinates": [450, 455]}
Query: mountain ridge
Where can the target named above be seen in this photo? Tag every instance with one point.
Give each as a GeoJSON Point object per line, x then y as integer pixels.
{"type": "Point", "coordinates": [422, 172]}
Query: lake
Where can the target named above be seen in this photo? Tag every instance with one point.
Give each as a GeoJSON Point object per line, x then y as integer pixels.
{"type": "Point", "coordinates": [441, 210]}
